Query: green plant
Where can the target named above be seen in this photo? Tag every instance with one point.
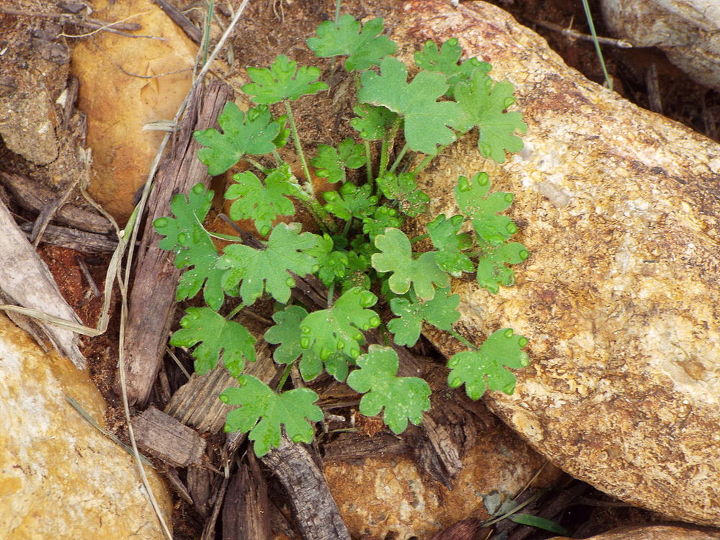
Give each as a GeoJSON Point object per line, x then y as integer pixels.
{"type": "Point", "coordinates": [361, 252]}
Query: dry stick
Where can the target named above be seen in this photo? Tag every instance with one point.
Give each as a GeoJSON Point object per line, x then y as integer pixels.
{"type": "Point", "coordinates": [179, 18]}
{"type": "Point", "coordinates": [574, 34]}
{"type": "Point", "coordinates": [47, 214]}
{"type": "Point", "coordinates": [89, 23]}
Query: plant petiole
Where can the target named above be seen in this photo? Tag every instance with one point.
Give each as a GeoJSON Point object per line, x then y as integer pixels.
{"type": "Point", "coordinates": [298, 148]}
{"type": "Point", "coordinates": [399, 158]}
{"type": "Point", "coordinates": [284, 377]}
{"type": "Point", "coordinates": [235, 311]}
{"type": "Point", "coordinates": [462, 340]}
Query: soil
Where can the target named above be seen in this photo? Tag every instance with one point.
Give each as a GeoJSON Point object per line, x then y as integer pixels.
{"type": "Point", "coordinates": [271, 27]}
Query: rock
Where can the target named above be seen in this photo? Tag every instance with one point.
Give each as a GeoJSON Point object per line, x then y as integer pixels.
{"type": "Point", "coordinates": [386, 496]}
{"type": "Point", "coordinates": [656, 532]}
{"type": "Point", "coordinates": [619, 299]}
{"type": "Point", "coordinates": [688, 31]}
{"type": "Point", "coordinates": [60, 477]}
{"type": "Point", "coordinates": [124, 85]}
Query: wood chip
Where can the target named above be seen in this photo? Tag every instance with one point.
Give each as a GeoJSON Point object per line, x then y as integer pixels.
{"type": "Point", "coordinates": [162, 436]}
{"type": "Point", "coordinates": [246, 510]}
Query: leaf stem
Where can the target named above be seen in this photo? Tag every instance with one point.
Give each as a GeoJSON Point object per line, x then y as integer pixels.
{"type": "Point", "coordinates": [235, 311]}
{"type": "Point", "coordinates": [419, 237]}
{"type": "Point", "coordinates": [278, 159]}
{"type": "Point", "coordinates": [399, 158]}
{"type": "Point", "coordinates": [462, 340]}
{"type": "Point", "coordinates": [338, 4]}
{"type": "Point", "coordinates": [368, 162]}
{"type": "Point", "coordinates": [254, 163]}
{"type": "Point", "coordinates": [387, 144]}
{"type": "Point", "coordinates": [427, 160]}
{"type": "Point", "coordinates": [284, 377]}
{"type": "Point", "coordinates": [331, 294]}
{"type": "Point", "coordinates": [298, 148]}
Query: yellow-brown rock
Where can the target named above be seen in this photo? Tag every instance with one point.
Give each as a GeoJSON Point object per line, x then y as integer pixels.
{"type": "Point", "coordinates": [620, 299]}
{"type": "Point", "coordinates": [126, 83]}
{"type": "Point", "coordinates": [60, 477]}
{"type": "Point", "coordinates": [388, 497]}
{"type": "Point", "coordinates": [656, 532]}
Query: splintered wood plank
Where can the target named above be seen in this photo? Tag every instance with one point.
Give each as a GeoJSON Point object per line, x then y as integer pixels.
{"type": "Point", "coordinates": [156, 276]}
{"type": "Point", "coordinates": [315, 510]}
{"type": "Point", "coordinates": [246, 510]}
{"type": "Point", "coordinates": [26, 281]}
{"type": "Point", "coordinates": [196, 402]}
{"type": "Point", "coordinates": [162, 436]}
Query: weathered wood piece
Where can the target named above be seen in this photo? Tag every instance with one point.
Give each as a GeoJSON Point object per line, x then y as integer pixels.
{"type": "Point", "coordinates": [156, 276]}
{"type": "Point", "coordinates": [196, 403]}
{"type": "Point", "coordinates": [179, 18]}
{"type": "Point", "coordinates": [315, 510]}
{"type": "Point", "coordinates": [162, 436]}
{"type": "Point", "coordinates": [76, 239]}
{"type": "Point", "coordinates": [246, 509]}
{"type": "Point", "coordinates": [26, 281]}
{"type": "Point", "coordinates": [35, 197]}
{"type": "Point", "coordinates": [201, 485]}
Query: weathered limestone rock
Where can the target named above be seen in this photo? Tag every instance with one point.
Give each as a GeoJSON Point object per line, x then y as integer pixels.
{"type": "Point", "coordinates": [59, 477]}
{"type": "Point", "coordinates": [387, 496]}
{"type": "Point", "coordinates": [657, 532]}
{"type": "Point", "coordinates": [125, 84]}
{"type": "Point", "coordinates": [688, 31]}
{"type": "Point", "coordinates": [620, 299]}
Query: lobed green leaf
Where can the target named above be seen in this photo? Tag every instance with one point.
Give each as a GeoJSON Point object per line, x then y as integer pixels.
{"type": "Point", "coordinates": [283, 80]}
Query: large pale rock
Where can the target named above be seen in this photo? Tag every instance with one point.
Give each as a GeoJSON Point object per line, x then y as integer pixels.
{"type": "Point", "coordinates": [657, 532]}
{"type": "Point", "coordinates": [125, 84]}
{"type": "Point", "coordinates": [688, 31]}
{"type": "Point", "coordinates": [620, 298]}
{"type": "Point", "coordinates": [59, 477]}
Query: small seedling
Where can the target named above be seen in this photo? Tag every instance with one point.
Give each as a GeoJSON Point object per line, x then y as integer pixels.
{"type": "Point", "coordinates": [362, 255]}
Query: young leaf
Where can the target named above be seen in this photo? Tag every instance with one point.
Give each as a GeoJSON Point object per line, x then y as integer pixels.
{"type": "Point", "coordinates": [396, 257]}
{"type": "Point", "coordinates": [333, 264]}
{"type": "Point", "coordinates": [253, 132]}
{"type": "Point", "coordinates": [216, 335]}
{"type": "Point", "coordinates": [450, 245]}
{"type": "Point", "coordinates": [492, 270]}
{"type": "Point", "coordinates": [282, 80]}
{"type": "Point", "coordinates": [350, 201]}
{"type": "Point", "coordinates": [262, 412]}
{"type": "Point", "coordinates": [486, 367]}
{"type": "Point", "coordinates": [338, 328]}
{"type": "Point", "coordinates": [286, 333]}
{"type": "Point", "coordinates": [331, 163]}
{"type": "Point", "coordinates": [446, 61]}
{"type": "Point", "coordinates": [475, 201]}
{"type": "Point", "coordinates": [261, 202]}
{"type": "Point", "coordinates": [403, 188]}
{"type": "Point", "coordinates": [403, 398]}
{"type": "Point", "coordinates": [426, 119]}
{"type": "Point", "coordinates": [483, 102]}
{"type": "Point", "coordinates": [540, 523]}
{"type": "Point", "coordinates": [372, 122]}
{"type": "Point", "coordinates": [441, 312]}
{"type": "Point", "coordinates": [185, 235]}
{"type": "Point", "coordinates": [364, 47]}
{"type": "Point", "coordinates": [382, 218]}
{"type": "Point", "coordinates": [269, 269]}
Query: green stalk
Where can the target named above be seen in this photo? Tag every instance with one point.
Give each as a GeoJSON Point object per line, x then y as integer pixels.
{"type": "Point", "coordinates": [254, 163]}
{"type": "Point", "coordinates": [284, 377]}
{"type": "Point", "coordinates": [462, 340]}
{"type": "Point", "coordinates": [427, 160]}
{"type": "Point", "coordinates": [338, 3]}
{"type": "Point", "coordinates": [235, 311]}
{"type": "Point", "coordinates": [591, 24]}
{"type": "Point", "coordinates": [386, 145]}
{"type": "Point", "coordinates": [399, 157]}
{"type": "Point", "coordinates": [299, 150]}
{"type": "Point", "coordinates": [418, 238]}
{"type": "Point", "coordinates": [331, 293]}
{"type": "Point", "coordinates": [368, 162]}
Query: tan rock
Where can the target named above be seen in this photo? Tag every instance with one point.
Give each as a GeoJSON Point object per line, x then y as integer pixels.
{"type": "Point", "coordinates": [389, 497]}
{"type": "Point", "coordinates": [59, 477]}
{"type": "Point", "coordinates": [620, 209]}
{"type": "Point", "coordinates": [657, 532]}
{"type": "Point", "coordinates": [124, 84]}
